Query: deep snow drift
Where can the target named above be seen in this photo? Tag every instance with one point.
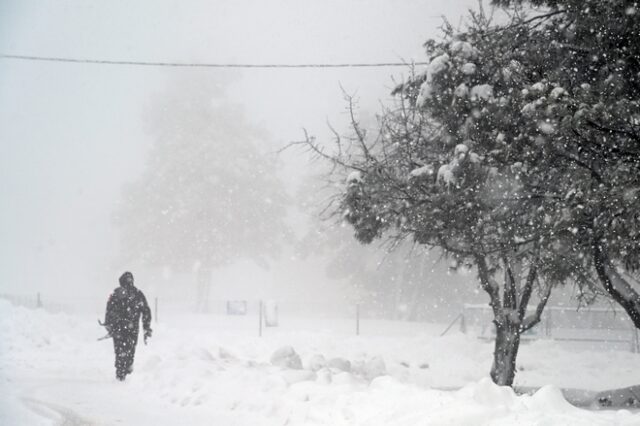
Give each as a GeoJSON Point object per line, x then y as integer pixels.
{"type": "Point", "coordinates": [215, 370]}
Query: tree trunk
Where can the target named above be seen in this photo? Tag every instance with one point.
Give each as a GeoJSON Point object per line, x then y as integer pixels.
{"type": "Point", "coordinates": [203, 277]}
{"type": "Point", "coordinates": [505, 352]}
{"type": "Point", "coordinates": [618, 288]}
{"type": "Point", "coordinates": [509, 316]}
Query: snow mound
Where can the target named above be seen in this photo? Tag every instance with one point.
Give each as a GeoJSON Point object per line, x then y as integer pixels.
{"type": "Point", "coordinates": [286, 357]}
{"type": "Point", "coordinates": [184, 376]}
{"type": "Point", "coordinates": [375, 367]}
{"type": "Point", "coordinates": [486, 392]}
{"type": "Point", "coordinates": [297, 376]}
{"type": "Point", "coordinates": [339, 364]}
{"type": "Point", "coordinates": [549, 398]}
{"type": "Point", "coordinates": [316, 362]}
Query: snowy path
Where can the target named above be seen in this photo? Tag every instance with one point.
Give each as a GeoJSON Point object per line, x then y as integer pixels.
{"type": "Point", "coordinates": [87, 401]}
{"type": "Point", "coordinates": [52, 371]}
{"type": "Point", "coordinates": [59, 414]}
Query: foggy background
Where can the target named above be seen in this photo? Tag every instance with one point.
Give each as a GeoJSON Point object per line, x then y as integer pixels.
{"type": "Point", "coordinates": [72, 135]}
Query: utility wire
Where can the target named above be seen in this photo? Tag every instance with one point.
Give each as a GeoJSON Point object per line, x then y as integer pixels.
{"type": "Point", "coordinates": [203, 65]}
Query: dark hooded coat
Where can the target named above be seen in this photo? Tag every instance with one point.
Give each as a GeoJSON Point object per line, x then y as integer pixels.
{"type": "Point", "coordinates": [125, 307]}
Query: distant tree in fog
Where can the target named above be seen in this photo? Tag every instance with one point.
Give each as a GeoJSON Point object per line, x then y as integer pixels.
{"type": "Point", "coordinates": [392, 282]}
{"type": "Point", "coordinates": [401, 282]}
{"type": "Point", "coordinates": [209, 193]}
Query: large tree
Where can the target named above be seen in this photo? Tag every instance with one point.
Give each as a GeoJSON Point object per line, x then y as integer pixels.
{"type": "Point", "coordinates": [430, 174]}
{"type": "Point", "coordinates": [581, 74]}
{"type": "Point", "coordinates": [209, 193]}
{"type": "Point", "coordinates": [516, 150]}
{"type": "Point", "coordinates": [515, 153]}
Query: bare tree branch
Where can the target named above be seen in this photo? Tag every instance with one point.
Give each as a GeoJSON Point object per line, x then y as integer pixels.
{"type": "Point", "coordinates": [356, 126]}
{"type": "Point", "coordinates": [338, 139]}
{"type": "Point", "coordinates": [534, 318]}
{"type": "Point", "coordinates": [310, 143]}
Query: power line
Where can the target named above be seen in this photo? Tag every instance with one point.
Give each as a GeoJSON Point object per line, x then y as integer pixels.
{"type": "Point", "coordinates": [203, 64]}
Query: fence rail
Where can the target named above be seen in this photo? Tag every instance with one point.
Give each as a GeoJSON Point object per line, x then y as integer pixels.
{"type": "Point", "coordinates": [266, 313]}
{"type": "Point", "coordinates": [570, 324]}
{"type": "Point", "coordinates": [595, 324]}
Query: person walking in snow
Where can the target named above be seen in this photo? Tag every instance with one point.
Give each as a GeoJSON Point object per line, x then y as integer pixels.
{"type": "Point", "coordinates": [124, 308]}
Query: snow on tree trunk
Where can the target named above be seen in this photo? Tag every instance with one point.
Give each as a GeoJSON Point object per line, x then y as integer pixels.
{"type": "Point", "coordinates": [505, 352]}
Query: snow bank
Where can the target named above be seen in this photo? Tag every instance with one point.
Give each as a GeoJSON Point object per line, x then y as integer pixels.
{"type": "Point", "coordinates": [200, 374]}
{"type": "Point", "coordinates": [286, 357]}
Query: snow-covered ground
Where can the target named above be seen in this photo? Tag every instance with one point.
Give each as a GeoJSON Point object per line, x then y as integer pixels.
{"type": "Point", "coordinates": [215, 370]}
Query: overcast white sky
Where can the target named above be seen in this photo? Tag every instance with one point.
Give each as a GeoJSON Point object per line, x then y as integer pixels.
{"type": "Point", "coordinates": [71, 135]}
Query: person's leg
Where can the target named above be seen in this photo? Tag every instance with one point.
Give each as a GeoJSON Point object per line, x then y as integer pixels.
{"type": "Point", "coordinates": [130, 353]}
{"type": "Point", "coordinates": [120, 347]}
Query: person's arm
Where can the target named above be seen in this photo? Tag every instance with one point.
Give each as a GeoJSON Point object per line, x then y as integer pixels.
{"type": "Point", "coordinates": [110, 314]}
{"type": "Point", "coordinates": [146, 315]}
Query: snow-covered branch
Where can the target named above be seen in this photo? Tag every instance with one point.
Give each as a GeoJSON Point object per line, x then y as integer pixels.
{"type": "Point", "coordinates": [310, 143]}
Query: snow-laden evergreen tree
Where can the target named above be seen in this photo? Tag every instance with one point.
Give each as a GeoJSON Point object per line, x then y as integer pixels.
{"type": "Point", "coordinates": [581, 81]}
{"type": "Point", "coordinates": [209, 193]}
